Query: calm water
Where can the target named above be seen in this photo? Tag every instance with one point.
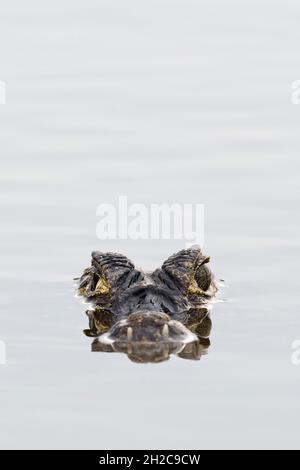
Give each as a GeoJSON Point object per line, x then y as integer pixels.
{"type": "Point", "coordinates": [162, 101]}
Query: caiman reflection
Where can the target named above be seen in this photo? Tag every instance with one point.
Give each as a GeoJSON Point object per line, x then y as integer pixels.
{"type": "Point", "coordinates": [198, 322]}
{"type": "Point", "coordinates": [149, 316]}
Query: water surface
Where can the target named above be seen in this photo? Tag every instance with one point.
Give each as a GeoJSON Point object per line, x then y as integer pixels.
{"type": "Point", "coordinates": [162, 102]}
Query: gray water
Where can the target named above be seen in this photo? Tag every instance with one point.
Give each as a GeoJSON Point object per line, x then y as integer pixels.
{"type": "Point", "coordinates": [162, 101]}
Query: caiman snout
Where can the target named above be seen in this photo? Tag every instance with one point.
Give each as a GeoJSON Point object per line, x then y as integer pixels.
{"type": "Point", "coordinates": [148, 327]}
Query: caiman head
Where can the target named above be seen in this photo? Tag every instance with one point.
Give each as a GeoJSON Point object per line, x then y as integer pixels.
{"type": "Point", "coordinates": [149, 315]}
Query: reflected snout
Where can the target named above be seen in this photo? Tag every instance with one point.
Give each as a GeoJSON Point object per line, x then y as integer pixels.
{"type": "Point", "coordinates": [148, 327]}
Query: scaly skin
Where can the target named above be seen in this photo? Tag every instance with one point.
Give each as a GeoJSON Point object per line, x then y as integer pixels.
{"type": "Point", "coordinates": [149, 316]}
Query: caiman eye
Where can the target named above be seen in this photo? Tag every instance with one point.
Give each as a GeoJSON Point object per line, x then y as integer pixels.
{"type": "Point", "coordinates": [93, 283]}
{"type": "Point", "coordinates": [203, 277]}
